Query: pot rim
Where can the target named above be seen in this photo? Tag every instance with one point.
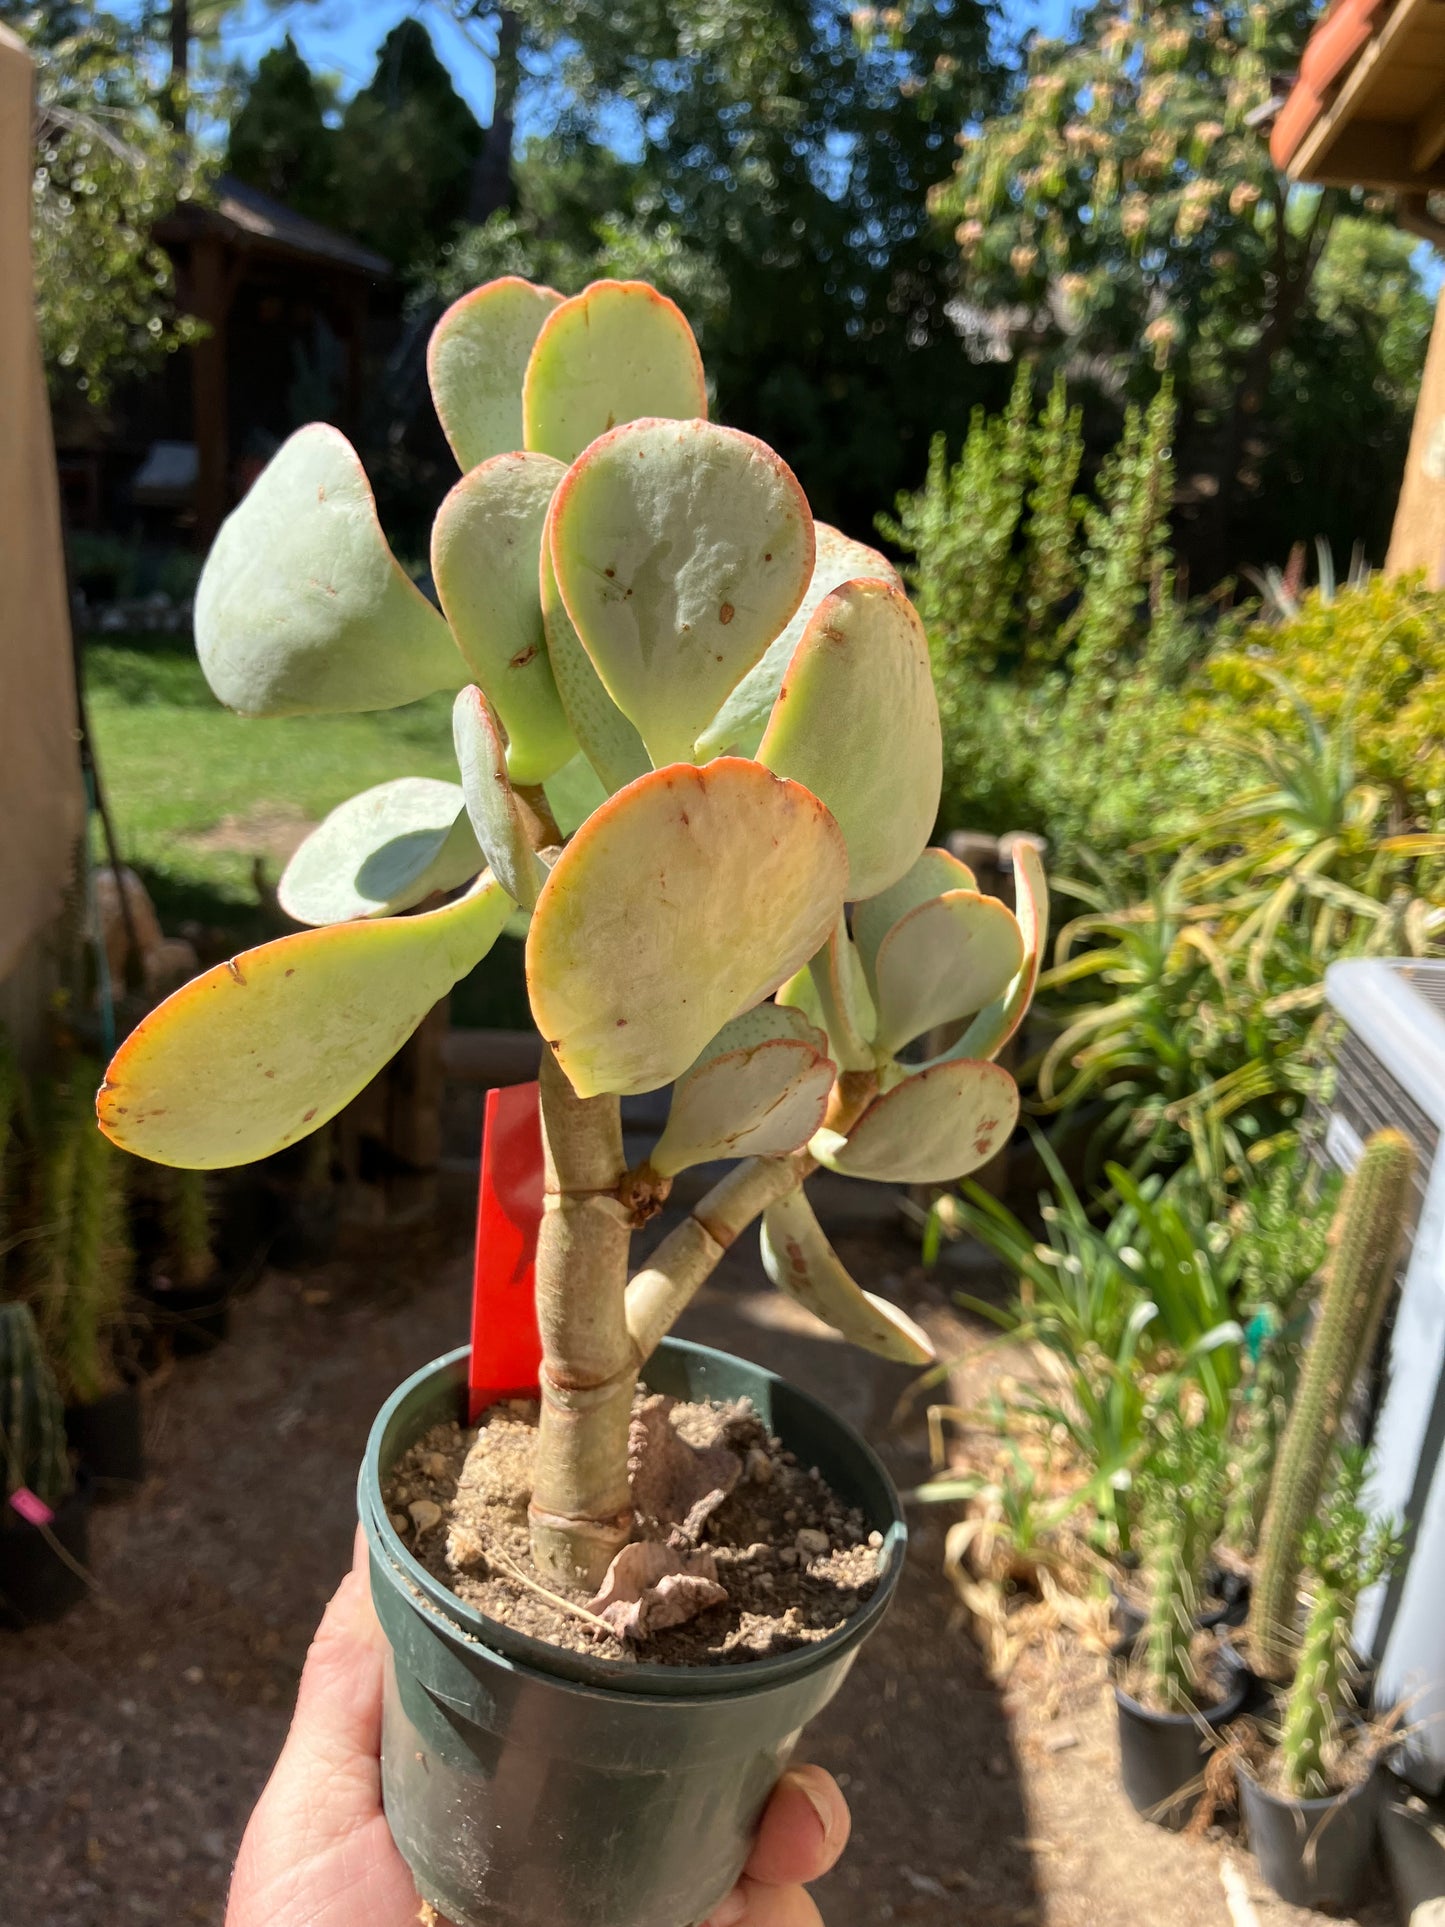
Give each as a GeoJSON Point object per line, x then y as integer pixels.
{"type": "Point", "coordinates": [1319, 1804]}
{"type": "Point", "coordinates": [619, 1679]}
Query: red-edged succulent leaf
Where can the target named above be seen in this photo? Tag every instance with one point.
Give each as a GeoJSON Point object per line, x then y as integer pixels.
{"type": "Point", "coordinates": [946, 958]}
{"type": "Point", "coordinates": [801, 1262]}
{"type": "Point", "coordinates": [683, 901]}
{"type": "Point", "coordinates": [612, 354]}
{"type": "Point", "coordinates": [302, 609]}
{"type": "Point", "coordinates": [380, 852]}
{"type": "Point", "coordinates": [856, 721]}
{"type": "Point", "coordinates": [476, 361]}
{"type": "Point", "coordinates": [498, 821]}
{"type": "Point", "coordinates": [939, 1123]}
{"type": "Point", "coordinates": [681, 549]}
{"type": "Point", "coordinates": [266, 1048]}
{"type": "Point", "coordinates": [759, 1089]}
{"type": "Point", "coordinates": [934, 872]}
{"type": "Point", "coordinates": [738, 727]}
{"type": "Point", "coordinates": [996, 1024]}
{"type": "Point", "coordinates": [486, 550]}
{"type": "Point", "coordinates": [609, 741]}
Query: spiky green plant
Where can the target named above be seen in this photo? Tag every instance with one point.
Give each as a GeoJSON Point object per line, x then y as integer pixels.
{"type": "Point", "coordinates": [186, 1220]}
{"type": "Point", "coordinates": [32, 1415]}
{"type": "Point", "coordinates": [691, 727]}
{"type": "Point", "coordinates": [1366, 1237]}
{"type": "Point", "coordinates": [81, 1255]}
{"type": "Point", "coordinates": [1182, 1504]}
{"type": "Point", "coordinates": [1281, 1235]}
{"type": "Point", "coordinates": [1344, 1552]}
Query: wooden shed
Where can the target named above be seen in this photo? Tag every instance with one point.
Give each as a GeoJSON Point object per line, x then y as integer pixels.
{"type": "Point", "coordinates": [1368, 110]}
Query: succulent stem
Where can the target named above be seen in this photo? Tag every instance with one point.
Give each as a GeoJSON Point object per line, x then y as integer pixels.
{"type": "Point", "coordinates": [581, 1510]}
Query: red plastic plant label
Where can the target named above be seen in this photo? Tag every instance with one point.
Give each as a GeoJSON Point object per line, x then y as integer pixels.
{"type": "Point", "coordinates": [506, 1348]}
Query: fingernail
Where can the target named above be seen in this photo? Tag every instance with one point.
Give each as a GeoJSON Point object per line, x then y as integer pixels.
{"type": "Point", "coordinates": [729, 1912]}
{"type": "Point", "coordinates": [825, 1808]}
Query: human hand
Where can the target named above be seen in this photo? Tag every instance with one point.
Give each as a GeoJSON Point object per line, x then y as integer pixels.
{"type": "Point", "coordinates": [318, 1851]}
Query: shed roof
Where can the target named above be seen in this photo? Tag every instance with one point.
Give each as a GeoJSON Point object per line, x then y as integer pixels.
{"type": "Point", "coordinates": [1368, 108]}
{"type": "Point", "coordinates": [253, 220]}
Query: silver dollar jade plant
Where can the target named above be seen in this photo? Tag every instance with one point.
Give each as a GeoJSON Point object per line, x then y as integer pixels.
{"type": "Point", "coordinates": [692, 727]}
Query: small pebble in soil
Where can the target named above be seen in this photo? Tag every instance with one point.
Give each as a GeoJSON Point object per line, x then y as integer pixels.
{"type": "Point", "coordinates": [811, 1539]}
{"type": "Point", "coordinates": [759, 1466]}
{"type": "Point", "coordinates": [425, 1513]}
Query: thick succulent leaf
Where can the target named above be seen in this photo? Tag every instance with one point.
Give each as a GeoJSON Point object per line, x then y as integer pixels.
{"type": "Point", "coordinates": [997, 1022]}
{"type": "Point", "coordinates": [945, 959]}
{"type": "Point", "coordinates": [683, 901]}
{"type": "Point", "coordinates": [486, 547]}
{"type": "Point", "coordinates": [938, 1124]}
{"type": "Point", "coordinates": [612, 354]}
{"type": "Point", "coordinates": [264, 1049]}
{"type": "Point", "coordinates": [381, 852]}
{"type": "Point", "coordinates": [843, 999]}
{"type": "Point", "coordinates": [497, 815]}
{"type": "Point", "coordinates": [856, 722]}
{"type": "Point", "coordinates": [609, 742]}
{"type": "Point", "coordinates": [801, 1262]}
{"type": "Point", "coordinates": [476, 361]}
{"type": "Point", "coordinates": [760, 1088]}
{"type": "Point", "coordinates": [738, 727]}
{"type": "Point", "coordinates": [681, 549]}
{"type": "Point", "coordinates": [302, 609]}
{"type": "Point", "coordinates": [574, 793]}
{"type": "Point", "coordinates": [935, 872]}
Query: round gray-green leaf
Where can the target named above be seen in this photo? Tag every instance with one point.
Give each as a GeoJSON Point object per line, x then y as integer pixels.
{"type": "Point", "coordinates": [380, 852]}
{"type": "Point", "coordinates": [302, 609]}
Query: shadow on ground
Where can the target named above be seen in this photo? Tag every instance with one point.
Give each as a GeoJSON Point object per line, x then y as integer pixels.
{"type": "Point", "coordinates": [137, 1734]}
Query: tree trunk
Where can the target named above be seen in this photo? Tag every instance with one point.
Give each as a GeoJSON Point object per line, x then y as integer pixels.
{"type": "Point", "coordinates": [491, 185]}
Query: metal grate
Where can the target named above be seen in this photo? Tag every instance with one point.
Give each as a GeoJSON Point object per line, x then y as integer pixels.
{"type": "Point", "coordinates": [1427, 980]}
{"type": "Point", "coordinates": [1366, 1098]}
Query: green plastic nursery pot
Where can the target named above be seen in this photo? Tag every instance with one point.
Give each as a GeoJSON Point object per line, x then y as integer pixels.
{"type": "Point", "coordinates": [528, 1786]}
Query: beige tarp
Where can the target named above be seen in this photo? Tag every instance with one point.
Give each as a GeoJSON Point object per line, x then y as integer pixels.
{"type": "Point", "coordinates": [41, 796]}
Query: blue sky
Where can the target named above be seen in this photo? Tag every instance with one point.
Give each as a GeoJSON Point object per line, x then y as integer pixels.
{"type": "Point", "coordinates": [341, 37]}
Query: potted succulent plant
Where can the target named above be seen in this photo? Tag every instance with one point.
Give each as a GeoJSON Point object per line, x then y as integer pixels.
{"type": "Point", "coordinates": [1172, 1698]}
{"type": "Point", "coordinates": [1313, 1807]}
{"type": "Point", "coordinates": [692, 728]}
{"type": "Point", "coordinates": [44, 1513]}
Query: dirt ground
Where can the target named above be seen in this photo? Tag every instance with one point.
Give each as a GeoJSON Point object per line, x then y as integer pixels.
{"type": "Point", "coordinates": [135, 1736]}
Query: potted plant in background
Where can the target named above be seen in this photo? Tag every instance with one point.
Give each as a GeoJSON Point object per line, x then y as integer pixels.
{"type": "Point", "coordinates": [1313, 1807]}
{"type": "Point", "coordinates": [1316, 1835]}
{"type": "Point", "coordinates": [44, 1519]}
{"type": "Point", "coordinates": [1175, 1687]}
{"type": "Point", "coordinates": [186, 1293]}
{"type": "Point", "coordinates": [699, 728]}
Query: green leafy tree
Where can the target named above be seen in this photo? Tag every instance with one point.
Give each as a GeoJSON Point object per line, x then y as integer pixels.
{"type": "Point", "coordinates": [1123, 212]}
{"type": "Point", "coordinates": [108, 164]}
{"type": "Point", "coordinates": [405, 151]}
{"type": "Point", "coordinates": [280, 141]}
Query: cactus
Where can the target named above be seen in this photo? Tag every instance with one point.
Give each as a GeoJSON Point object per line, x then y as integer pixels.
{"type": "Point", "coordinates": [691, 728]}
{"type": "Point", "coordinates": [1181, 1501]}
{"type": "Point", "coordinates": [1283, 1238]}
{"type": "Point", "coordinates": [186, 1216]}
{"type": "Point", "coordinates": [1343, 1554]}
{"type": "Point", "coordinates": [32, 1417]}
{"type": "Point", "coordinates": [1366, 1236]}
{"type": "Point", "coordinates": [82, 1254]}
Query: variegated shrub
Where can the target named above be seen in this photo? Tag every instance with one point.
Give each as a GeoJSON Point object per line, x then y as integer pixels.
{"type": "Point", "coordinates": [693, 727]}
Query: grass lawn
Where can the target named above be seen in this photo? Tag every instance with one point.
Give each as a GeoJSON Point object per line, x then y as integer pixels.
{"type": "Point", "coordinates": [198, 795]}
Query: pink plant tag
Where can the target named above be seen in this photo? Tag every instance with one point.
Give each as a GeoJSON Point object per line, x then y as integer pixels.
{"type": "Point", "coordinates": [34, 1511]}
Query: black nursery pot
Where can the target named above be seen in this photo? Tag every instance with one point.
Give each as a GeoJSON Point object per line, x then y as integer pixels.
{"type": "Point", "coordinates": [194, 1318]}
{"type": "Point", "coordinates": [528, 1786]}
{"type": "Point", "coordinates": [108, 1437]}
{"type": "Point", "coordinates": [1316, 1853]}
{"type": "Point", "coordinates": [37, 1583]}
{"type": "Point", "coordinates": [1162, 1756]}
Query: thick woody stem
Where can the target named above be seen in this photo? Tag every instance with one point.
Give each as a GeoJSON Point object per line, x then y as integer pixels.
{"type": "Point", "coordinates": [581, 1510]}
{"type": "Point", "coordinates": [687, 1257]}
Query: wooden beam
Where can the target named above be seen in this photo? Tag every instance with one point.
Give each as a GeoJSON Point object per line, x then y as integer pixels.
{"type": "Point", "coordinates": [1368, 153]}
{"type": "Point", "coordinates": [1428, 141]}
{"type": "Point", "coordinates": [1309, 159]}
